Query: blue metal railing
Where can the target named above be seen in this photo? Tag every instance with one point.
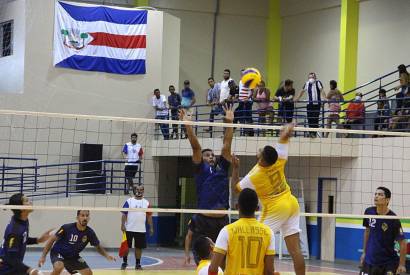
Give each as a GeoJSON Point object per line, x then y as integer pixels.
{"type": "Point", "coordinates": [63, 179]}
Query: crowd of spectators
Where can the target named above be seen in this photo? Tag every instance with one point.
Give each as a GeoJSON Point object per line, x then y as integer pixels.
{"type": "Point", "coordinates": [261, 106]}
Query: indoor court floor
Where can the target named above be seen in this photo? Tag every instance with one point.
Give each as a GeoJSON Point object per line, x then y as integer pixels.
{"type": "Point", "coordinates": [171, 261]}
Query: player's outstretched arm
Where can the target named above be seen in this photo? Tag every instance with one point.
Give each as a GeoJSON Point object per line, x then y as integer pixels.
{"type": "Point", "coordinates": [216, 262]}
{"type": "Point", "coordinates": [46, 249]}
{"type": "Point", "coordinates": [268, 265]}
{"type": "Point", "coordinates": [104, 253]}
{"type": "Point", "coordinates": [235, 173]}
{"type": "Point", "coordinates": [227, 142]}
{"type": "Point", "coordinates": [193, 140]}
{"type": "Point", "coordinates": [286, 133]}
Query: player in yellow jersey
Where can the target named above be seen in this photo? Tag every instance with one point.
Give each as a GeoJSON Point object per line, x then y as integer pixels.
{"type": "Point", "coordinates": [203, 247]}
{"type": "Point", "coordinates": [247, 244]}
{"type": "Point", "coordinates": [280, 209]}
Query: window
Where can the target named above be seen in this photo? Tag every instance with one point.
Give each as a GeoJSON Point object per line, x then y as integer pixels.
{"type": "Point", "coordinates": [6, 38]}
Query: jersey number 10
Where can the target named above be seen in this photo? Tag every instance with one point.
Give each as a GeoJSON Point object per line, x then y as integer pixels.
{"type": "Point", "coordinates": [73, 238]}
{"type": "Point", "coordinates": [249, 246]}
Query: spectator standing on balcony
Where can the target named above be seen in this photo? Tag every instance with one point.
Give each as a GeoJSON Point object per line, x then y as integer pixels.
{"type": "Point", "coordinates": [244, 110]}
{"type": "Point", "coordinates": [174, 102]}
{"type": "Point", "coordinates": [402, 115]}
{"type": "Point", "coordinates": [334, 98]}
{"type": "Point", "coordinates": [285, 96]}
{"type": "Point", "coordinates": [159, 103]}
{"type": "Point", "coordinates": [404, 83]}
{"type": "Point", "coordinates": [355, 112]}
{"type": "Point", "coordinates": [383, 112]}
{"type": "Point", "coordinates": [261, 95]}
{"type": "Point", "coordinates": [188, 100]}
{"type": "Point", "coordinates": [212, 99]}
{"type": "Point", "coordinates": [314, 88]}
{"type": "Point", "coordinates": [224, 94]}
{"type": "Point", "coordinates": [132, 152]}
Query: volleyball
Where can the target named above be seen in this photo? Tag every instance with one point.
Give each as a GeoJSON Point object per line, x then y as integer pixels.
{"type": "Point", "coordinates": [251, 77]}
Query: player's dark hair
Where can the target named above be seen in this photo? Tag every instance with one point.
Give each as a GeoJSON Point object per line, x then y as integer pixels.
{"type": "Point", "coordinates": [269, 155]}
{"type": "Point", "coordinates": [206, 150]}
{"type": "Point", "coordinates": [387, 192]}
{"type": "Point", "coordinates": [171, 86]}
{"type": "Point", "coordinates": [156, 90]}
{"type": "Point", "coordinates": [16, 199]}
{"type": "Point", "coordinates": [382, 91]}
{"type": "Point", "coordinates": [79, 211]}
{"type": "Point", "coordinates": [227, 70]}
{"type": "Point", "coordinates": [134, 135]}
{"type": "Point", "coordinates": [211, 78]}
{"type": "Point", "coordinates": [248, 202]}
{"type": "Point", "coordinates": [202, 248]}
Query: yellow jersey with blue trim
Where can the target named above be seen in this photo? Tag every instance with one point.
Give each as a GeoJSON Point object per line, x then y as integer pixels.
{"type": "Point", "coordinates": [268, 182]}
{"type": "Point", "coordinates": [245, 243]}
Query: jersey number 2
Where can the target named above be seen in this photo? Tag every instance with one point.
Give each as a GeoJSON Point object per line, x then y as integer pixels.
{"type": "Point", "coordinates": [250, 244]}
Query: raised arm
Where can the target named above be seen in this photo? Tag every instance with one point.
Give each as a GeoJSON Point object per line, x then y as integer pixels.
{"type": "Point", "coordinates": [286, 133]}
{"type": "Point", "coordinates": [193, 140]}
{"type": "Point", "coordinates": [235, 173]}
{"type": "Point", "coordinates": [227, 142]}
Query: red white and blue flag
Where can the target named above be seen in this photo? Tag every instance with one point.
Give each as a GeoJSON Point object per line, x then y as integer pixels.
{"type": "Point", "coordinates": [100, 38]}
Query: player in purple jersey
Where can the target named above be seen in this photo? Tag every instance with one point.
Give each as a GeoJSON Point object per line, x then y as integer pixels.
{"type": "Point", "coordinates": [16, 238]}
{"type": "Point", "coordinates": [67, 244]}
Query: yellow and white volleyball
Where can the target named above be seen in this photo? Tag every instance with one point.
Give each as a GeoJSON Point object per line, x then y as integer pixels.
{"type": "Point", "coordinates": [251, 77]}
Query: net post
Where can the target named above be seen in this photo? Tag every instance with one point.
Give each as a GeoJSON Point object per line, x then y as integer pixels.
{"type": "Point", "coordinates": [35, 176]}
{"type": "Point", "coordinates": [67, 181]}
{"type": "Point", "coordinates": [3, 175]}
{"type": "Point", "coordinates": [21, 180]}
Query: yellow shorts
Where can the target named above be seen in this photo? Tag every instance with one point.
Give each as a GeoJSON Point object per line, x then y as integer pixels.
{"type": "Point", "coordinates": [282, 214]}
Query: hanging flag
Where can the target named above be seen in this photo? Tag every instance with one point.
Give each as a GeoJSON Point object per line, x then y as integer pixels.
{"type": "Point", "coordinates": [124, 246]}
{"type": "Point", "coordinates": [100, 38]}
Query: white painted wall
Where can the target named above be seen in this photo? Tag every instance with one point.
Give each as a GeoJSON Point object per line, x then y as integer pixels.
{"type": "Point", "coordinates": [47, 88]}
{"type": "Point", "coordinates": [383, 38]}
{"type": "Point", "coordinates": [12, 67]}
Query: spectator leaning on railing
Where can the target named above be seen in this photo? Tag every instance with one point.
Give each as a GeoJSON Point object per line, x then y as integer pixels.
{"type": "Point", "coordinates": [401, 118]}
{"type": "Point", "coordinates": [383, 112]}
{"type": "Point", "coordinates": [261, 95]}
{"type": "Point", "coordinates": [314, 88]}
{"type": "Point", "coordinates": [355, 112]}
{"type": "Point", "coordinates": [334, 98]}
{"type": "Point", "coordinates": [159, 103]}
{"type": "Point", "coordinates": [285, 96]}
{"type": "Point", "coordinates": [212, 99]}
{"type": "Point", "coordinates": [174, 102]}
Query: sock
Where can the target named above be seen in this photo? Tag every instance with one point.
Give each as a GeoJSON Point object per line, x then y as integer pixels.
{"type": "Point", "coordinates": [137, 261]}
{"type": "Point", "coordinates": [125, 259]}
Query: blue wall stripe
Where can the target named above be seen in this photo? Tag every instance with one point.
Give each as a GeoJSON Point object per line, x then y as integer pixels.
{"type": "Point", "coordinates": [103, 64]}
{"type": "Point", "coordinates": [101, 13]}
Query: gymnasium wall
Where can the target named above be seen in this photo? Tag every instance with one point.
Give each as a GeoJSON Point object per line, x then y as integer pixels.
{"type": "Point", "coordinates": [51, 89]}
{"type": "Point", "coordinates": [12, 67]}
{"type": "Point", "coordinates": [240, 38]}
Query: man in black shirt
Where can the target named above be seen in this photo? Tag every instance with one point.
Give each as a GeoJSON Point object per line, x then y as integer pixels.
{"type": "Point", "coordinates": [285, 96]}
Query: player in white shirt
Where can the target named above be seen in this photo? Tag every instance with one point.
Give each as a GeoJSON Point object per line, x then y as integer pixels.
{"type": "Point", "coordinates": [132, 152]}
{"type": "Point", "coordinates": [224, 94]}
{"type": "Point", "coordinates": [133, 224]}
{"type": "Point", "coordinates": [203, 247]}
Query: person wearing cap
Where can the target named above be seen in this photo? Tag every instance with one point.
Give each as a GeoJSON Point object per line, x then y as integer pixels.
{"type": "Point", "coordinates": [187, 101]}
{"type": "Point", "coordinates": [355, 112]}
{"type": "Point", "coordinates": [16, 238]}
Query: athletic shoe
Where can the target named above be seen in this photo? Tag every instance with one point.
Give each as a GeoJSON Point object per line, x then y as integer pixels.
{"type": "Point", "coordinates": [124, 266]}
{"type": "Point", "coordinates": [138, 267]}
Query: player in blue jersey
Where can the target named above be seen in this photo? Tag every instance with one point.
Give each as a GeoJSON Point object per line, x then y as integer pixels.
{"type": "Point", "coordinates": [67, 244]}
{"type": "Point", "coordinates": [16, 238]}
{"type": "Point", "coordinates": [211, 179]}
{"type": "Point", "coordinates": [379, 256]}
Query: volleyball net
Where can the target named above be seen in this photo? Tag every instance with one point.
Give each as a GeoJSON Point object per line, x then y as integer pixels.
{"type": "Point", "coordinates": [44, 156]}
